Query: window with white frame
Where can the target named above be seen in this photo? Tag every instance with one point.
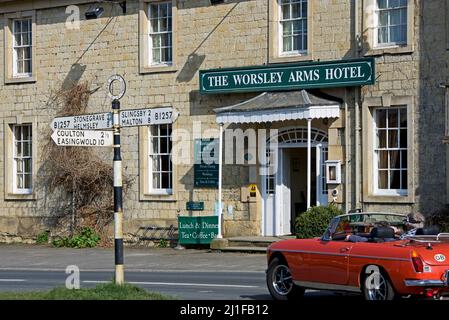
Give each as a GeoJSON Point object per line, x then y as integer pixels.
{"type": "Point", "coordinates": [160, 33]}
{"type": "Point", "coordinates": [22, 47]}
{"type": "Point", "coordinates": [160, 161]}
{"type": "Point", "coordinates": [391, 17]}
{"type": "Point", "coordinates": [390, 151]}
{"type": "Point", "coordinates": [270, 182]}
{"type": "Point", "coordinates": [293, 26]}
{"type": "Point", "coordinates": [22, 158]}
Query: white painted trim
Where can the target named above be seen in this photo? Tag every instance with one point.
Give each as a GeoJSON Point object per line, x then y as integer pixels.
{"type": "Point", "coordinates": [151, 189]}
{"type": "Point", "coordinates": [293, 113]}
{"type": "Point", "coordinates": [150, 39]}
{"type": "Point", "coordinates": [281, 52]}
{"type": "Point", "coordinates": [376, 190]}
{"type": "Point", "coordinates": [274, 228]}
{"type": "Point", "coordinates": [387, 45]}
{"type": "Point", "coordinates": [15, 73]}
{"type": "Point", "coordinates": [15, 189]}
{"type": "Point", "coordinates": [309, 162]}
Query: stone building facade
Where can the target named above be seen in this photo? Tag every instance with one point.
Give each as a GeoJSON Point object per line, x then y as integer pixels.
{"type": "Point", "coordinates": [396, 165]}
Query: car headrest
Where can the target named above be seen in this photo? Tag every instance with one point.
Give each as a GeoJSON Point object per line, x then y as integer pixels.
{"type": "Point", "coordinates": [382, 232]}
{"type": "Point", "coordinates": [428, 231]}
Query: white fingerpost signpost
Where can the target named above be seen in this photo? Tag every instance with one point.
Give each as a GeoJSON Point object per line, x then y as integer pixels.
{"type": "Point", "coordinates": [96, 121]}
{"type": "Point", "coordinates": [82, 138]}
{"type": "Point", "coordinates": [87, 130]}
{"type": "Point", "coordinates": [146, 117]}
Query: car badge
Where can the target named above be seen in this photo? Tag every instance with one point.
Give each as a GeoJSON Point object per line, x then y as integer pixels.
{"type": "Point", "coordinates": [440, 257]}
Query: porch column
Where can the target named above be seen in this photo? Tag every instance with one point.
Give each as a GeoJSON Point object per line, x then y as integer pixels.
{"type": "Point", "coordinates": [309, 160]}
{"type": "Point", "coordinates": [220, 181]}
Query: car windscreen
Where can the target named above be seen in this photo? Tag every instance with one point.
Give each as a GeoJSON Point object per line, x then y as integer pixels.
{"type": "Point", "coordinates": [375, 218]}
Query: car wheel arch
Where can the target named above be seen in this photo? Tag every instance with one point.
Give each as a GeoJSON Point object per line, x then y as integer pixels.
{"type": "Point", "coordinates": [363, 275]}
{"type": "Point", "coordinates": [278, 255]}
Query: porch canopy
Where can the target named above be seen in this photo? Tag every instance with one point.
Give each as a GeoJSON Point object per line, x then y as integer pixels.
{"type": "Point", "coordinates": [271, 107]}
{"type": "Point", "coordinates": [279, 106]}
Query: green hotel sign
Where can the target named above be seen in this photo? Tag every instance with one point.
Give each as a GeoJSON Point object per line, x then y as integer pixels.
{"type": "Point", "coordinates": [344, 73]}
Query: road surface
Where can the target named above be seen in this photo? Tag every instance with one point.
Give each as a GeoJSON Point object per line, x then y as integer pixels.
{"type": "Point", "coordinates": [185, 274]}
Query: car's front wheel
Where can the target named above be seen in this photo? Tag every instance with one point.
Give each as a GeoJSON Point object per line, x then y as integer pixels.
{"type": "Point", "coordinates": [280, 281]}
{"type": "Point", "coordinates": [377, 286]}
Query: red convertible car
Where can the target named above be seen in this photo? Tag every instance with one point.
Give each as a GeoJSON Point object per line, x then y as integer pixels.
{"type": "Point", "coordinates": [376, 254]}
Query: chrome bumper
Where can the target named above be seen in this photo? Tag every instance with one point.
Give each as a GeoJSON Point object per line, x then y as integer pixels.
{"type": "Point", "coordinates": [425, 283]}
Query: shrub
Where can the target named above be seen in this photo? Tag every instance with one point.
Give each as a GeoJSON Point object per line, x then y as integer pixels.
{"type": "Point", "coordinates": [42, 237]}
{"type": "Point", "coordinates": [439, 218]}
{"type": "Point", "coordinates": [87, 238]}
{"type": "Point", "coordinates": [314, 221]}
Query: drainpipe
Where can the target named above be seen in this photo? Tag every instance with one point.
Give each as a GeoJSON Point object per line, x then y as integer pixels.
{"type": "Point", "coordinates": [358, 165]}
{"type": "Point", "coordinates": [347, 153]}
{"type": "Point", "coordinates": [357, 95]}
{"type": "Point", "coordinates": [220, 182]}
{"type": "Point", "coordinates": [309, 160]}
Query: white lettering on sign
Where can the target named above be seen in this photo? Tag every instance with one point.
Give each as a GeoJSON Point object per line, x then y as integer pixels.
{"type": "Point", "coordinates": [345, 72]}
{"type": "Point", "coordinates": [84, 122]}
{"type": "Point", "coordinates": [264, 78]}
{"type": "Point", "coordinates": [259, 78]}
{"type": "Point", "coordinates": [218, 81]}
{"type": "Point", "coordinates": [146, 117]}
{"type": "Point", "coordinates": [302, 75]}
{"type": "Point", "coordinates": [82, 138]}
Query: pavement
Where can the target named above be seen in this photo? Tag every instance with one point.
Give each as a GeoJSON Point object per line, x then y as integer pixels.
{"type": "Point", "coordinates": [185, 274]}
{"type": "Point", "coordinates": [34, 257]}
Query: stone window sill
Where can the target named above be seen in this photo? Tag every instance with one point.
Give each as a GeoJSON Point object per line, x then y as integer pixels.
{"type": "Point", "coordinates": [158, 198]}
{"type": "Point", "coordinates": [389, 50]}
{"type": "Point", "coordinates": [20, 80]}
{"type": "Point", "coordinates": [373, 198]}
{"type": "Point", "coordinates": [291, 58]}
{"type": "Point", "coordinates": [158, 69]}
{"type": "Point", "coordinates": [20, 196]}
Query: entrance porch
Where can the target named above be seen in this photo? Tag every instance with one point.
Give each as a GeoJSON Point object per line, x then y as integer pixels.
{"type": "Point", "coordinates": [297, 180]}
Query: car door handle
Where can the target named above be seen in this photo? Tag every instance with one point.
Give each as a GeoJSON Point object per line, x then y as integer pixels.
{"type": "Point", "coordinates": [346, 249]}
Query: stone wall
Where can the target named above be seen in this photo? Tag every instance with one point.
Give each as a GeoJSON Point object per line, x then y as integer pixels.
{"type": "Point", "coordinates": [228, 35]}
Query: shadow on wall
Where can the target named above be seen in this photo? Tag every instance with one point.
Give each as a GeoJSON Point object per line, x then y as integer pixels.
{"type": "Point", "coordinates": [195, 60]}
{"type": "Point", "coordinates": [73, 77]}
{"type": "Point", "coordinates": [204, 104]}
{"type": "Point", "coordinates": [187, 181]}
{"type": "Point", "coordinates": [190, 68]}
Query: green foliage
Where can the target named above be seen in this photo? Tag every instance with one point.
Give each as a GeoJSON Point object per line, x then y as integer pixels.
{"type": "Point", "coordinates": [42, 237]}
{"type": "Point", "coordinates": [163, 243]}
{"type": "Point", "coordinates": [87, 238]}
{"type": "Point", "coordinates": [108, 291]}
{"type": "Point", "coordinates": [314, 221]}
